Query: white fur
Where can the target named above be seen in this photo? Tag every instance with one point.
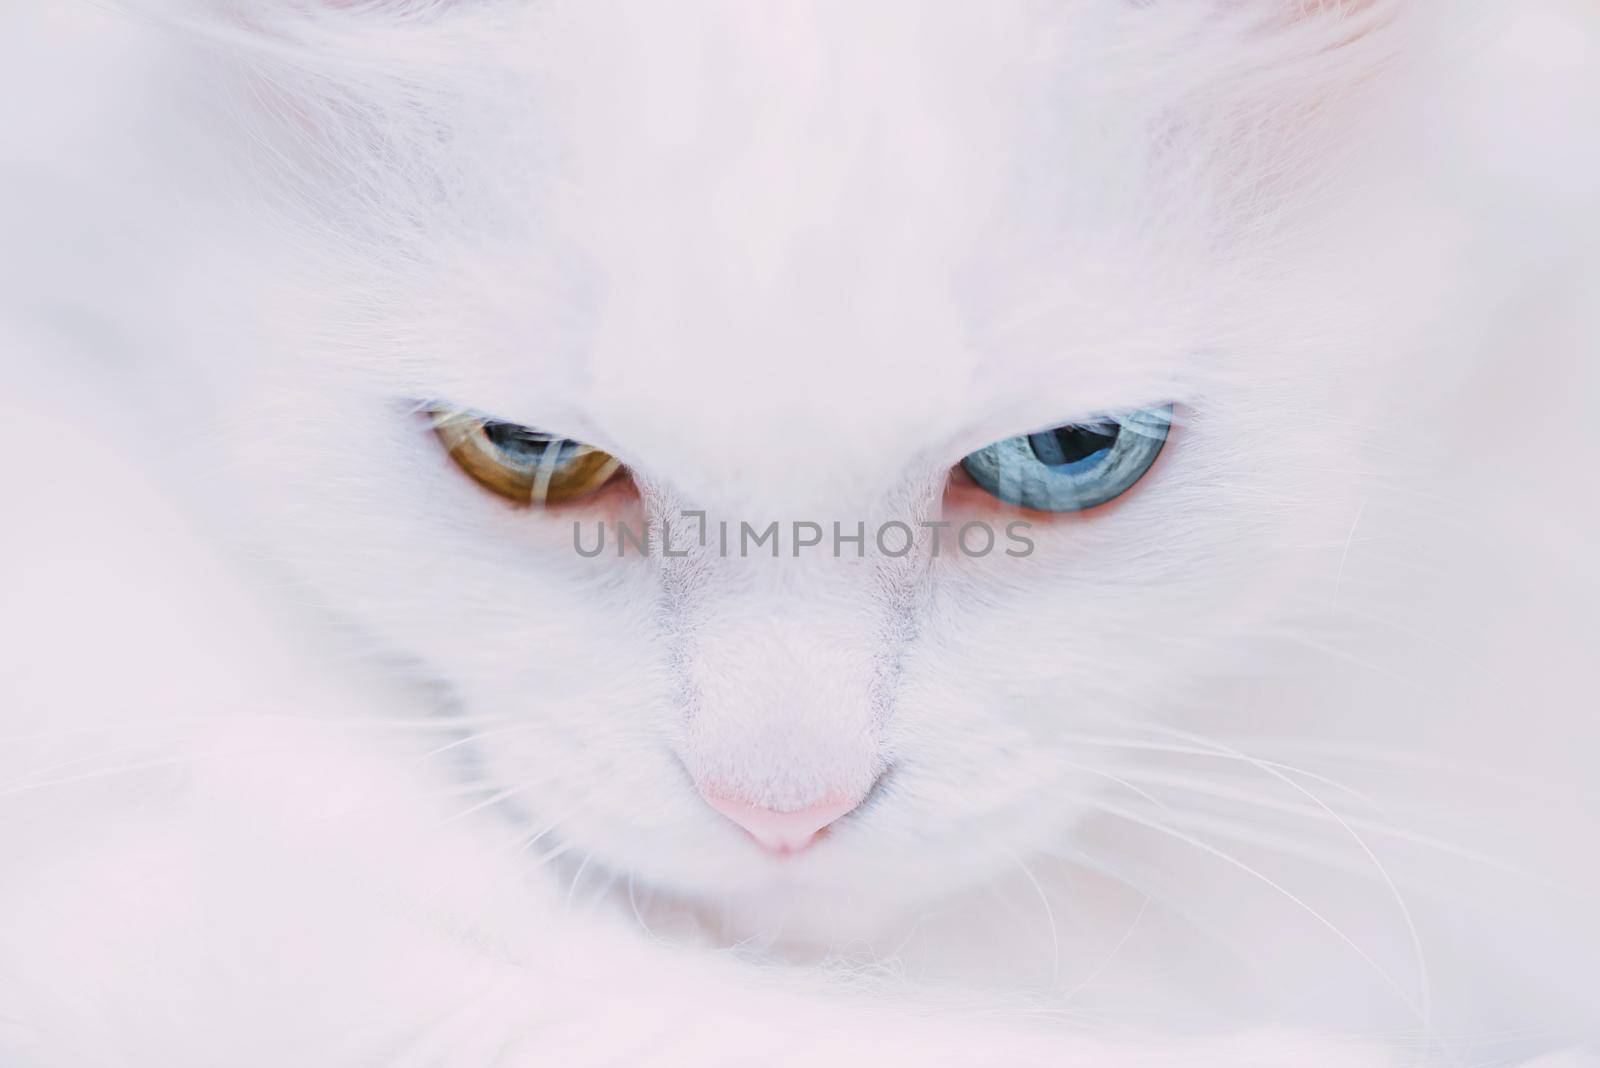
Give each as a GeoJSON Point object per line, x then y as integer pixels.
{"type": "Point", "coordinates": [1292, 741]}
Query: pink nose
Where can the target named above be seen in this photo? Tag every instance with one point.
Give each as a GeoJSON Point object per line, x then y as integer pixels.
{"type": "Point", "coordinates": [781, 832]}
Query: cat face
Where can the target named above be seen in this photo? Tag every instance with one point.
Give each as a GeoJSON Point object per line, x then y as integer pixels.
{"type": "Point", "coordinates": [792, 268]}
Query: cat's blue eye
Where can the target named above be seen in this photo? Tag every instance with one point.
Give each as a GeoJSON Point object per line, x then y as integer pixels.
{"type": "Point", "coordinates": [1073, 467]}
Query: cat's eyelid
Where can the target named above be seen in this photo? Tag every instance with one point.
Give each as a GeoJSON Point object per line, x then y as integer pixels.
{"type": "Point", "coordinates": [1155, 421]}
{"type": "Point", "coordinates": [1150, 413]}
{"type": "Point", "coordinates": [565, 426]}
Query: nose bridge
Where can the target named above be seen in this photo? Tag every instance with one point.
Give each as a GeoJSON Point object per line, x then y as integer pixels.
{"type": "Point", "coordinates": [746, 478]}
{"type": "Point", "coordinates": [788, 693]}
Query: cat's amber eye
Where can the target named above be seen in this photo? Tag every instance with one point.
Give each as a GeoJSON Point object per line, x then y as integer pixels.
{"type": "Point", "coordinates": [523, 465]}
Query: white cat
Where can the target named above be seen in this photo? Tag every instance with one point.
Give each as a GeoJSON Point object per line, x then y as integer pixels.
{"type": "Point", "coordinates": [340, 331]}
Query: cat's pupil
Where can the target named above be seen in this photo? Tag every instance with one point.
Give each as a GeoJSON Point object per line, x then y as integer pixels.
{"type": "Point", "coordinates": [518, 441]}
{"type": "Point", "coordinates": [1069, 444]}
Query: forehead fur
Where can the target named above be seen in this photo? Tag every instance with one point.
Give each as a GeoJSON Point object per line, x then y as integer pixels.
{"type": "Point", "coordinates": [864, 221]}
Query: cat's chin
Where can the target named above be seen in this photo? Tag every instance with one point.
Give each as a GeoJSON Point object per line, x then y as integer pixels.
{"type": "Point", "coordinates": [836, 914]}
{"type": "Point", "coordinates": [774, 912]}
{"type": "Point", "coordinates": [811, 904]}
